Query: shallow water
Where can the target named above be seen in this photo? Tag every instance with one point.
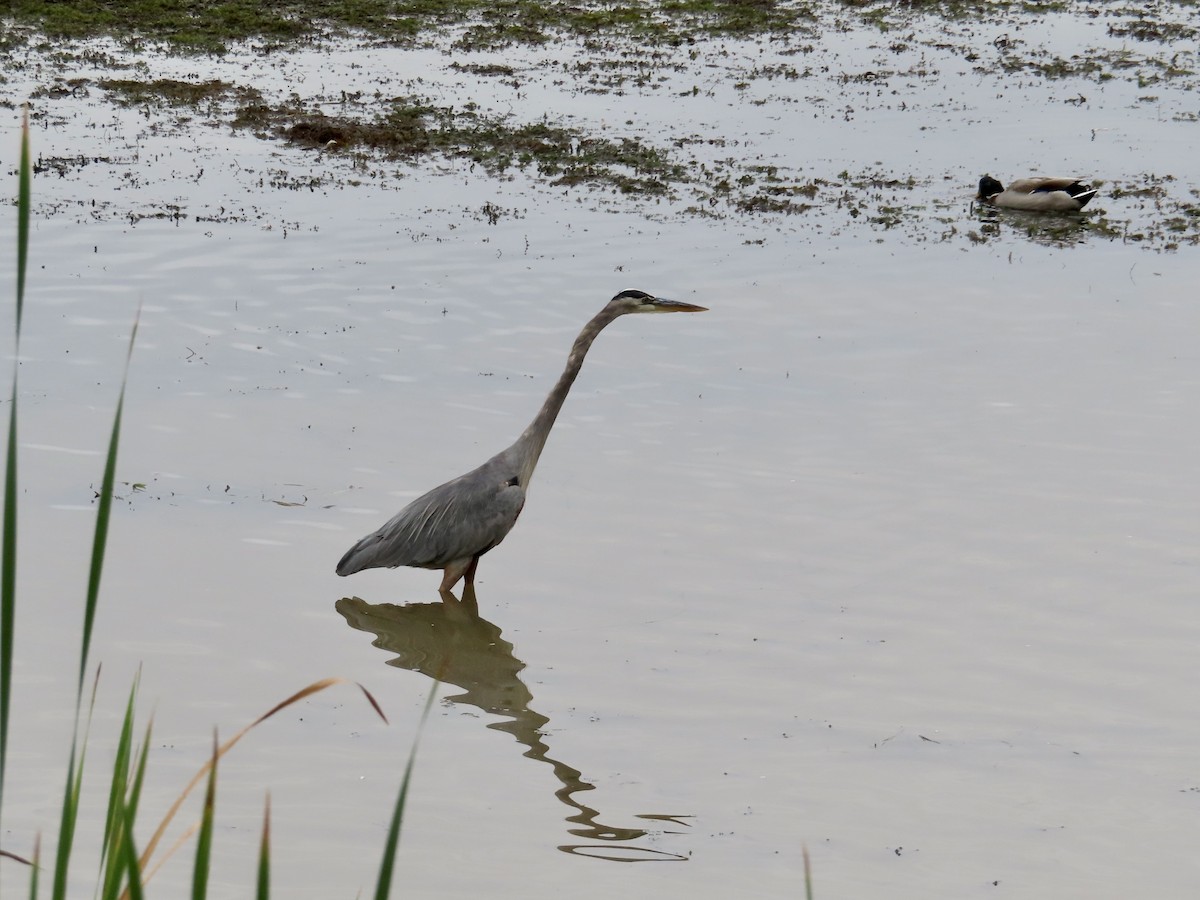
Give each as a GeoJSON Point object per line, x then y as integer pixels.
{"type": "Point", "coordinates": [891, 554]}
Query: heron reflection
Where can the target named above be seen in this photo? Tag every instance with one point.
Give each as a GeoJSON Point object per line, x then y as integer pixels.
{"type": "Point", "coordinates": [449, 641]}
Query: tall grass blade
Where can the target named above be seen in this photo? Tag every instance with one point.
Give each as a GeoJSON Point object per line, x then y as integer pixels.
{"type": "Point", "coordinates": [70, 803]}
{"type": "Point", "coordinates": [808, 891]}
{"type": "Point", "coordinates": [8, 542]}
{"type": "Point", "coordinates": [112, 864]}
{"type": "Point", "coordinates": [139, 775]}
{"type": "Point", "coordinates": [149, 873]}
{"type": "Point", "coordinates": [103, 512]}
{"type": "Point", "coordinates": [36, 866]}
{"type": "Point", "coordinates": [264, 855]}
{"type": "Point", "coordinates": [129, 857]}
{"type": "Point", "coordinates": [66, 826]}
{"type": "Point", "coordinates": [313, 688]}
{"type": "Point", "coordinates": [383, 886]}
{"type": "Point", "coordinates": [124, 851]}
{"type": "Point", "coordinates": [8, 581]}
{"type": "Point", "coordinates": [120, 774]}
{"type": "Point", "coordinates": [24, 205]}
{"type": "Point", "coordinates": [204, 840]}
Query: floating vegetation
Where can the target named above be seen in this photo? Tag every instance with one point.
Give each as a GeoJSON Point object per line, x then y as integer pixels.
{"type": "Point", "coordinates": [674, 47]}
{"type": "Point", "coordinates": [174, 92]}
{"type": "Point", "coordinates": [211, 26]}
{"type": "Point", "coordinates": [409, 128]}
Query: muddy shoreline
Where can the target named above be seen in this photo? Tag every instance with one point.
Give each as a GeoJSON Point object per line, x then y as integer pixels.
{"type": "Point", "coordinates": [108, 57]}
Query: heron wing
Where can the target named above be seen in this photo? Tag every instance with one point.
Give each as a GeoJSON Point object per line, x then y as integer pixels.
{"type": "Point", "coordinates": [457, 520]}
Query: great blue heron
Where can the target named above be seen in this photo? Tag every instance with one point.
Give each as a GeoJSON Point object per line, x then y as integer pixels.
{"type": "Point", "coordinates": [453, 525]}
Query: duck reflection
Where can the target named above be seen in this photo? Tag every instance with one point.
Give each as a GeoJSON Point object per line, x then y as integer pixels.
{"type": "Point", "coordinates": [449, 641]}
{"type": "Point", "coordinates": [1048, 229]}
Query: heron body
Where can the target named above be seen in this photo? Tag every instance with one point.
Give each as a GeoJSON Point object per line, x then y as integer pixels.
{"type": "Point", "coordinates": [454, 524]}
{"type": "Point", "coordinates": [449, 527]}
{"type": "Point", "coordinates": [1036, 194]}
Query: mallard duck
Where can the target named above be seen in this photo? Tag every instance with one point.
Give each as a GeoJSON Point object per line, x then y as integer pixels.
{"type": "Point", "coordinates": [1044, 194]}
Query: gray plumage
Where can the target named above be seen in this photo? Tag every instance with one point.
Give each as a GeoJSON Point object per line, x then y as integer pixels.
{"type": "Point", "coordinates": [454, 524]}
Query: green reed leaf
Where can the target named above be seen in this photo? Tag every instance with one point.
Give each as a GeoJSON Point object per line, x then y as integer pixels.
{"type": "Point", "coordinates": [264, 855]}
{"type": "Point", "coordinates": [66, 827]}
{"type": "Point", "coordinates": [204, 839]}
{"type": "Point", "coordinates": [103, 513]}
{"type": "Point", "coordinates": [8, 542]}
{"type": "Point", "coordinates": [386, 868]}
{"type": "Point", "coordinates": [129, 856]}
{"type": "Point", "coordinates": [36, 867]}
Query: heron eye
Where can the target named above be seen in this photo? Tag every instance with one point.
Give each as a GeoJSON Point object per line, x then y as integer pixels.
{"type": "Point", "coordinates": [513, 482]}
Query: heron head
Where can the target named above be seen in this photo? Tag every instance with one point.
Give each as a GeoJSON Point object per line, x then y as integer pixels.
{"type": "Point", "coordinates": [640, 302]}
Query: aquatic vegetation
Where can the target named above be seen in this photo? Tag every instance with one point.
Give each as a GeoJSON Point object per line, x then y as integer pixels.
{"type": "Point", "coordinates": [624, 49]}
{"type": "Point", "coordinates": [209, 26]}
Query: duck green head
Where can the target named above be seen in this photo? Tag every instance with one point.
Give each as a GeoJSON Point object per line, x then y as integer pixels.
{"type": "Point", "coordinates": [989, 187]}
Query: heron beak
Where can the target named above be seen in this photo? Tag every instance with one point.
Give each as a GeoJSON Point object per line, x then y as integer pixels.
{"type": "Point", "coordinates": [659, 304]}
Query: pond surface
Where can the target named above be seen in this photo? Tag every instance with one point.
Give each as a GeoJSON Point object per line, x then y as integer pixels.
{"type": "Point", "coordinates": [892, 554]}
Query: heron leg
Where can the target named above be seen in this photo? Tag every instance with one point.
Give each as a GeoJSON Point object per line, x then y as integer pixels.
{"type": "Point", "coordinates": [469, 601]}
{"type": "Point", "coordinates": [456, 570]}
{"type": "Point", "coordinates": [453, 573]}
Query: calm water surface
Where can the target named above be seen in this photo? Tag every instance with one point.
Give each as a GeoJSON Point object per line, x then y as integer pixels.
{"type": "Point", "coordinates": [892, 554]}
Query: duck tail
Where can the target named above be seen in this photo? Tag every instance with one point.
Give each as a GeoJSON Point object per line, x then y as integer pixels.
{"type": "Point", "coordinates": [1083, 196]}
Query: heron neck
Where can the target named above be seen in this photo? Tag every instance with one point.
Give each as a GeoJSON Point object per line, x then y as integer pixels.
{"type": "Point", "coordinates": [529, 445]}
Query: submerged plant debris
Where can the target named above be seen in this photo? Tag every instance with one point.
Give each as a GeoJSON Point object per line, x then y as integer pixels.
{"type": "Point", "coordinates": [675, 48]}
